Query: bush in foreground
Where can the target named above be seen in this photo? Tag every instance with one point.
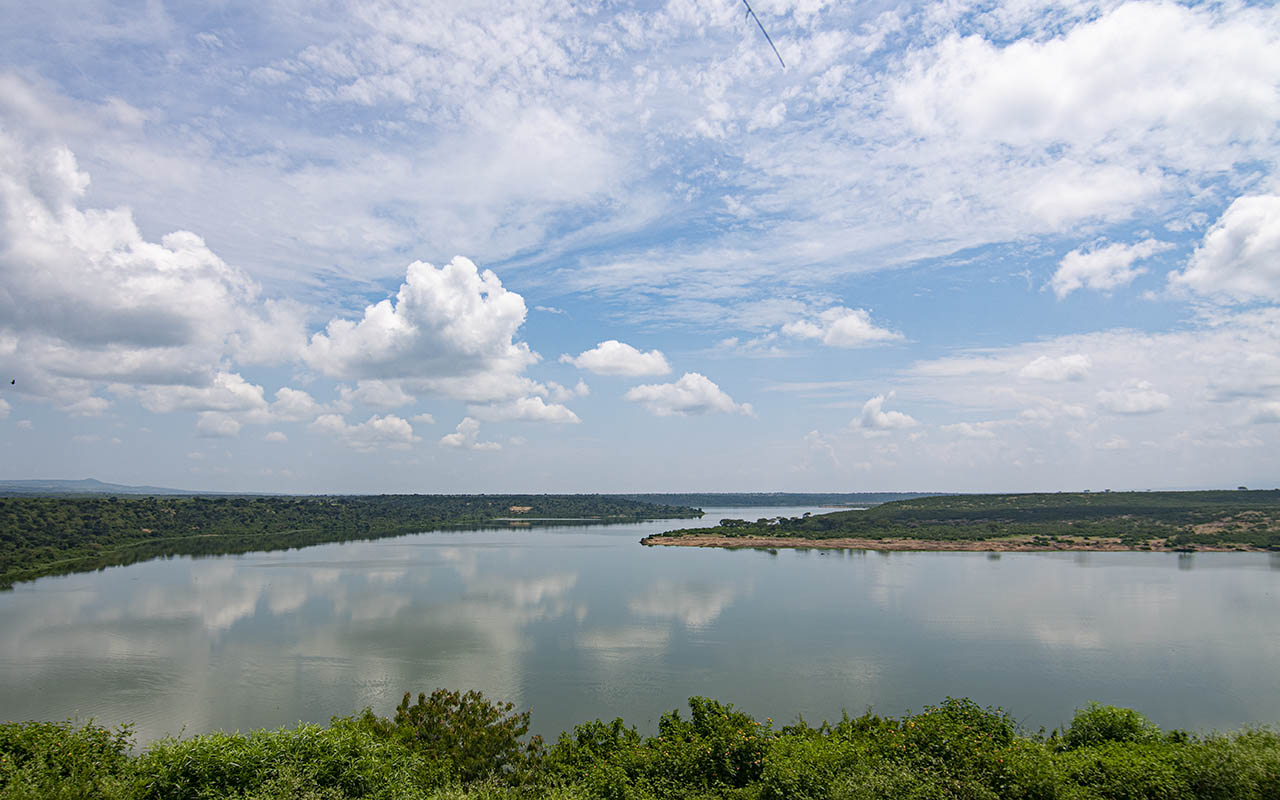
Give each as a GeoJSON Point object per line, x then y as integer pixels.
{"type": "Point", "coordinates": [452, 746]}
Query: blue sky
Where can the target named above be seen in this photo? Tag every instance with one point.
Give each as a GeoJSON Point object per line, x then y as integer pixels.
{"type": "Point", "coordinates": [385, 246]}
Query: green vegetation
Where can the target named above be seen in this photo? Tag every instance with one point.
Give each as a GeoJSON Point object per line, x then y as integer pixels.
{"type": "Point", "coordinates": [752, 499]}
{"type": "Point", "coordinates": [54, 535]}
{"type": "Point", "coordinates": [1139, 520]}
{"type": "Point", "coordinates": [461, 746]}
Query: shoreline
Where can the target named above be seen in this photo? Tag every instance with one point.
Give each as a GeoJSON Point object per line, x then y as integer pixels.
{"type": "Point", "coordinates": [925, 545]}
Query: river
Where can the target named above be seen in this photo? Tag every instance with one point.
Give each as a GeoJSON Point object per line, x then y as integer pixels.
{"type": "Point", "coordinates": [583, 622]}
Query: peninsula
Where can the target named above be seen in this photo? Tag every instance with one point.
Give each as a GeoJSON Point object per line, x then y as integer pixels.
{"type": "Point", "coordinates": [1152, 521]}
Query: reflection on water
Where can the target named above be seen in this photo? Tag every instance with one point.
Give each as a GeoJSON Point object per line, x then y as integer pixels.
{"type": "Point", "coordinates": [580, 622]}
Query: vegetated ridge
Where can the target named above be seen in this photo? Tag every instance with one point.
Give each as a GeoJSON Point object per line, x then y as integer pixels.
{"type": "Point", "coordinates": [753, 499]}
{"type": "Point", "coordinates": [457, 746]}
{"type": "Point", "coordinates": [85, 486]}
{"type": "Point", "coordinates": [1181, 521]}
{"type": "Point", "coordinates": [53, 535]}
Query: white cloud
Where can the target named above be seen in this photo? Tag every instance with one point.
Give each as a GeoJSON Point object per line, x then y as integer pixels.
{"type": "Point", "coordinates": [292, 405]}
{"type": "Point", "coordinates": [228, 391]}
{"type": "Point", "coordinates": [1103, 268]}
{"type": "Point", "coordinates": [25, 424]}
{"type": "Point", "coordinates": [617, 358]}
{"type": "Point", "coordinates": [529, 409]}
{"type": "Point", "coordinates": [559, 394]}
{"type": "Point", "coordinates": [841, 327]}
{"type": "Point", "coordinates": [88, 407]}
{"type": "Point", "coordinates": [373, 434]}
{"type": "Point", "coordinates": [1137, 397]}
{"type": "Point", "coordinates": [276, 436]}
{"type": "Point", "coordinates": [971, 430]}
{"type": "Point", "coordinates": [875, 418]}
{"type": "Point", "coordinates": [451, 328]}
{"type": "Point", "coordinates": [1137, 68]}
{"type": "Point", "coordinates": [4, 408]}
{"type": "Point", "coordinates": [217, 425]}
{"type": "Point", "coordinates": [423, 419]}
{"type": "Point", "coordinates": [384, 395]}
{"type": "Point", "coordinates": [466, 435]}
{"type": "Point", "coordinates": [692, 394]}
{"type": "Point", "coordinates": [1239, 258]}
{"type": "Point", "coordinates": [87, 299]}
{"type": "Point", "coordinates": [1267, 412]}
{"type": "Point", "coordinates": [1071, 367]}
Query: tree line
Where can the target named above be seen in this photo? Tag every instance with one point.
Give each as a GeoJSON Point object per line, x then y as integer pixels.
{"type": "Point", "coordinates": [53, 535]}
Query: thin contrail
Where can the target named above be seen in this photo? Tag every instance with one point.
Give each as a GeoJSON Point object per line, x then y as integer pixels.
{"type": "Point", "coordinates": [767, 38]}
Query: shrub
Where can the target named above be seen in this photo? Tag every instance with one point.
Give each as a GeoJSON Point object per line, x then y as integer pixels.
{"type": "Point", "coordinates": [60, 760]}
{"type": "Point", "coordinates": [716, 748]}
{"type": "Point", "coordinates": [481, 738]}
{"type": "Point", "coordinates": [1098, 724]}
{"type": "Point", "coordinates": [804, 767]}
{"type": "Point", "coordinates": [344, 760]}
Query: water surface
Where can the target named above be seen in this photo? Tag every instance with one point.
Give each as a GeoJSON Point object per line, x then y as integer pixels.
{"type": "Point", "coordinates": [583, 622]}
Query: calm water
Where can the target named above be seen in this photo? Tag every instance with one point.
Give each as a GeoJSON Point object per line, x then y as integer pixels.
{"type": "Point", "coordinates": [583, 622]}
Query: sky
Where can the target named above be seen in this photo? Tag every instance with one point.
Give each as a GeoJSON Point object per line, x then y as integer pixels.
{"type": "Point", "coordinates": [412, 246]}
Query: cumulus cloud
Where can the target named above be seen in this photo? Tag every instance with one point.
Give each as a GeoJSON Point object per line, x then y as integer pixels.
{"type": "Point", "coordinates": [276, 436]}
{"type": "Point", "coordinates": [4, 408]}
{"type": "Point", "coordinates": [1103, 268]}
{"type": "Point", "coordinates": [1239, 258]}
{"type": "Point", "coordinates": [217, 425]}
{"type": "Point", "coordinates": [875, 418]}
{"type": "Point", "coordinates": [1137, 397]}
{"type": "Point", "coordinates": [618, 358]}
{"type": "Point", "coordinates": [694, 393]}
{"type": "Point", "coordinates": [292, 405]}
{"type": "Point", "coordinates": [383, 395]}
{"type": "Point", "coordinates": [466, 435]}
{"type": "Point", "coordinates": [529, 409]}
{"type": "Point", "coordinates": [841, 327]}
{"type": "Point", "coordinates": [373, 434]}
{"type": "Point", "coordinates": [228, 391]}
{"type": "Point", "coordinates": [1134, 68]}
{"type": "Point", "coordinates": [1071, 367]}
{"type": "Point", "coordinates": [88, 300]}
{"type": "Point", "coordinates": [452, 328]}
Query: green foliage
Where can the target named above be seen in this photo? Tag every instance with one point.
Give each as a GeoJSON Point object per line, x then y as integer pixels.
{"type": "Point", "coordinates": [59, 760]}
{"type": "Point", "coordinates": [717, 747]}
{"type": "Point", "coordinates": [481, 738]}
{"type": "Point", "coordinates": [1098, 724]}
{"type": "Point", "coordinates": [956, 750]}
{"type": "Point", "coordinates": [343, 760]}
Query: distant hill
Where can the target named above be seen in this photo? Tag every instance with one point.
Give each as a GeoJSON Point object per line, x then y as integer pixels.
{"type": "Point", "coordinates": [754, 499]}
{"type": "Point", "coordinates": [85, 486]}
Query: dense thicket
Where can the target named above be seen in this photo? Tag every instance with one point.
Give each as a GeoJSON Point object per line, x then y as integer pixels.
{"type": "Point", "coordinates": [1150, 520]}
{"type": "Point", "coordinates": [455, 745]}
{"type": "Point", "coordinates": [50, 535]}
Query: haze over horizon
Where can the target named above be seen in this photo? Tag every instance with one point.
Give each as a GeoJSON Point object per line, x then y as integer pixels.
{"type": "Point", "coordinates": [380, 246]}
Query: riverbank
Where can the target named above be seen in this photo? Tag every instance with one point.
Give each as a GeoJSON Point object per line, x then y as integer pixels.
{"type": "Point", "coordinates": [1008, 545]}
{"type": "Point", "coordinates": [1241, 520]}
